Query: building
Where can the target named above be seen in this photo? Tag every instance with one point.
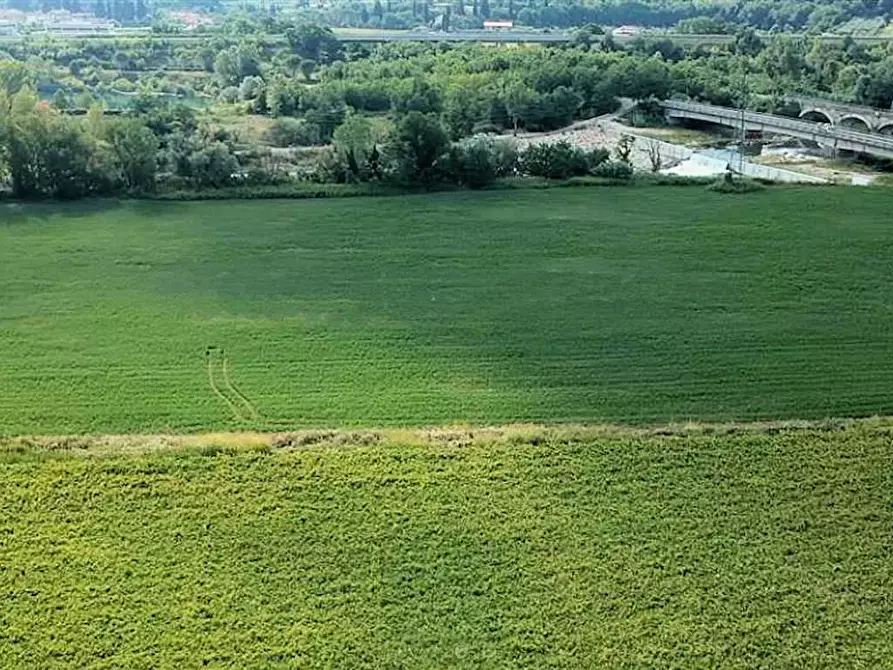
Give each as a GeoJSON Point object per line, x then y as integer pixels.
{"type": "Point", "coordinates": [498, 25]}
{"type": "Point", "coordinates": [626, 31]}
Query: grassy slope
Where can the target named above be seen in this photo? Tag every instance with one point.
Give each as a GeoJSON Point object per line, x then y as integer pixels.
{"type": "Point", "coordinates": [623, 551]}
{"type": "Point", "coordinates": [626, 305]}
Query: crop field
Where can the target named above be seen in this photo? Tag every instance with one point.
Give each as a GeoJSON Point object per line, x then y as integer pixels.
{"type": "Point", "coordinates": [640, 305]}
{"type": "Point", "coordinates": [523, 548]}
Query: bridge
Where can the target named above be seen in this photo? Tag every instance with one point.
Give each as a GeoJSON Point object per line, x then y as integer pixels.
{"type": "Point", "coordinates": [838, 138]}
{"type": "Point", "coordinates": [854, 117]}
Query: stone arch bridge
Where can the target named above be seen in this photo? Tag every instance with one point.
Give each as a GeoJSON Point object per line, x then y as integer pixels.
{"type": "Point", "coordinates": [837, 138]}
{"type": "Point", "coordinates": [844, 115]}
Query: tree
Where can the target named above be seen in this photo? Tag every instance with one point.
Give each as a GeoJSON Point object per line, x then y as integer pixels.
{"type": "Point", "coordinates": [134, 148]}
{"type": "Point", "coordinates": [313, 42]}
{"type": "Point", "coordinates": [485, 8]}
{"type": "Point", "coordinates": [46, 153]}
{"type": "Point", "coordinates": [213, 165]}
{"type": "Point", "coordinates": [654, 155]}
{"type": "Point", "coordinates": [518, 101]}
{"type": "Point", "coordinates": [226, 69]}
{"type": "Point", "coordinates": [250, 88]}
{"type": "Point", "coordinates": [417, 146]}
{"type": "Point", "coordinates": [60, 100]}
{"type": "Point", "coordinates": [308, 67]}
{"type": "Point", "coordinates": [206, 56]}
{"type": "Point", "coordinates": [478, 162]}
{"type": "Point", "coordinates": [557, 160]}
{"type": "Point", "coordinates": [748, 43]}
{"type": "Point", "coordinates": [624, 148]}
{"type": "Point", "coordinates": [353, 142]}
{"type": "Point", "coordinates": [462, 110]}
{"type": "Point", "coordinates": [76, 66]}
{"type": "Point", "coordinates": [373, 163]}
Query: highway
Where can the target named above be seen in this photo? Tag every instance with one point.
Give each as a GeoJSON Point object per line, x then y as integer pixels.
{"type": "Point", "coordinates": [480, 36]}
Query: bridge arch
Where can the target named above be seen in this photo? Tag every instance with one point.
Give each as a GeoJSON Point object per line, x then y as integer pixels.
{"type": "Point", "coordinates": [855, 122]}
{"type": "Point", "coordinates": [815, 115]}
{"type": "Point", "coordinates": [886, 128]}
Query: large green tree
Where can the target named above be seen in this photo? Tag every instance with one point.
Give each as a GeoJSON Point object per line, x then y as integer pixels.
{"type": "Point", "coordinates": [417, 146]}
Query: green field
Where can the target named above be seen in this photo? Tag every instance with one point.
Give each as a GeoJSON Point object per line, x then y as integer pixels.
{"type": "Point", "coordinates": [631, 305]}
{"type": "Point", "coordinates": [538, 550]}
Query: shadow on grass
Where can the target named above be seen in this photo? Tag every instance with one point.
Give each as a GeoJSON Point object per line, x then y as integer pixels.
{"type": "Point", "coordinates": [15, 212]}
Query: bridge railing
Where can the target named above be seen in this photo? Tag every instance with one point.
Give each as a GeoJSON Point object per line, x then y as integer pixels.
{"type": "Point", "coordinates": [803, 127]}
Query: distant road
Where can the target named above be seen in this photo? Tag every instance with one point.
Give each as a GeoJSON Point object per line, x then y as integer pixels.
{"type": "Point", "coordinates": [483, 36]}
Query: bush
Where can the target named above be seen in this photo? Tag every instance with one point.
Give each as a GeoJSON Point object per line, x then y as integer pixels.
{"type": "Point", "coordinates": [486, 128]}
{"type": "Point", "coordinates": [558, 160]}
{"type": "Point", "coordinates": [478, 162]}
{"type": "Point", "coordinates": [251, 88]}
{"type": "Point", "coordinates": [292, 133]}
{"type": "Point", "coordinates": [735, 186]}
{"type": "Point", "coordinates": [124, 85]}
{"type": "Point", "coordinates": [230, 94]}
{"type": "Point", "coordinates": [615, 170]}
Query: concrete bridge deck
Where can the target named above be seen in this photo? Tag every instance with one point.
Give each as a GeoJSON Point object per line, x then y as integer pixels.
{"type": "Point", "coordinates": [827, 135]}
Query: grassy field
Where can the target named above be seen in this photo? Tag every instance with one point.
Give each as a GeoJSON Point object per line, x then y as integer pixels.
{"type": "Point", "coordinates": [534, 549]}
{"type": "Point", "coordinates": [634, 305]}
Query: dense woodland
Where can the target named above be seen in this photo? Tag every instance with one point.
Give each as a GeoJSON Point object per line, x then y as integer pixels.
{"type": "Point", "coordinates": [82, 117]}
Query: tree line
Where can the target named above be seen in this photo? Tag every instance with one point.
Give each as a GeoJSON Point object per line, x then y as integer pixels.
{"type": "Point", "coordinates": [46, 153]}
{"type": "Point", "coordinates": [784, 15]}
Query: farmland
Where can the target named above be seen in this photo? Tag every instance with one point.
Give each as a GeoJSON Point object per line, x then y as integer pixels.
{"type": "Point", "coordinates": [640, 305]}
{"type": "Point", "coordinates": [523, 548]}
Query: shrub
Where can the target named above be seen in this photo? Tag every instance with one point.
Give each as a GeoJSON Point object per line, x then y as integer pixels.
{"type": "Point", "coordinates": [292, 133]}
{"type": "Point", "coordinates": [486, 128]}
{"type": "Point", "coordinates": [124, 85]}
{"type": "Point", "coordinates": [478, 162]}
{"type": "Point", "coordinates": [557, 160]}
{"type": "Point", "coordinates": [251, 88]}
{"type": "Point", "coordinates": [472, 164]}
{"type": "Point", "coordinates": [735, 186]}
{"type": "Point", "coordinates": [616, 170]}
{"type": "Point", "coordinates": [230, 94]}
{"type": "Point", "coordinates": [596, 157]}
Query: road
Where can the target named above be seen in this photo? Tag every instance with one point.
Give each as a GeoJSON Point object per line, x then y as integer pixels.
{"type": "Point", "coordinates": [481, 36]}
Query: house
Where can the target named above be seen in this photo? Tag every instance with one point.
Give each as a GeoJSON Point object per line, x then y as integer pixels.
{"type": "Point", "coordinates": [498, 25]}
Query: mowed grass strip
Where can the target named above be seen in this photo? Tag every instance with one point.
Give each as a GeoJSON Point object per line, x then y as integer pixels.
{"type": "Point", "coordinates": [640, 305]}
{"type": "Point", "coordinates": [559, 549]}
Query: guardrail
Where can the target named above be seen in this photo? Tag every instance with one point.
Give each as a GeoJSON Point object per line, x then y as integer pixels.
{"type": "Point", "coordinates": [817, 130]}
